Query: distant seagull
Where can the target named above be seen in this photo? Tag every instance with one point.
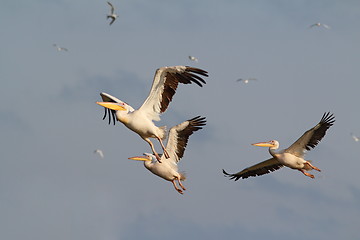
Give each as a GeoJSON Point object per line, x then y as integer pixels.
{"type": "Point", "coordinates": [192, 58]}
{"type": "Point", "coordinates": [112, 15]}
{"type": "Point", "coordinates": [98, 151]}
{"type": "Point", "coordinates": [247, 80]}
{"type": "Point", "coordinates": [356, 139]}
{"type": "Point", "coordinates": [319, 25]}
{"type": "Point", "coordinates": [60, 48]}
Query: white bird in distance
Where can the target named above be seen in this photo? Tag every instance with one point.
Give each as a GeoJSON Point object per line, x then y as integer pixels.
{"type": "Point", "coordinates": [356, 139]}
{"type": "Point", "coordinates": [60, 48]}
{"type": "Point", "coordinates": [192, 58]}
{"type": "Point", "coordinates": [246, 80]}
{"type": "Point", "coordinates": [112, 14]}
{"type": "Point", "coordinates": [319, 25]}
{"type": "Point", "coordinates": [99, 152]}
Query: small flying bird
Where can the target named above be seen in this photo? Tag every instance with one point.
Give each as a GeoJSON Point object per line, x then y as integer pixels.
{"type": "Point", "coordinates": [246, 80]}
{"type": "Point", "coordinates": [112, 14]}
{"type": "Point", "coordinates": [293, 156]}
{"type": "Point", "coordinates": [319, 25]}
{"type": "Point", "coordinates": [177, 141]}
{"type": "Point", "coordinates": [100, 152]}
{"type": "Point", "coordinates": [60, 48]}
{"type": "Point", "coordinates": [192, 58]}
{"type": "Point", "coordinates": [356, 139]}
{"type": "Point", "coordinates": [163, 88]}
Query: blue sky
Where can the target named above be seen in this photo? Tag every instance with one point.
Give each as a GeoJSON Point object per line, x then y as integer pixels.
{"type": "Point", "coordinates": [52, 185]}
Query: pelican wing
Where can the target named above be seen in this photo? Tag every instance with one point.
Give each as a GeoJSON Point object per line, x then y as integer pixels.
{"type": "Point", "coordinates": [112, 113]}
{"type": "Point", "coordinates": [179, 136]}
{"type": "Point", "coordinates": [164, 85]}
{"type": "Point", "coordinates": [262, 168]}
{"type": "Point", "coordinates": [112, 7]}
{"type": "Point", "coordinates": [311, 137]}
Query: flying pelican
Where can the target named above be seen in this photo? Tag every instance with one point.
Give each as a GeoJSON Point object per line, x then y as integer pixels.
{"type": "Point", "coordinates": [163, 88]}
{"type": "Point", "coordinates": [293, 156]}
{"type": "Point", "coordinates": [112, 14]}
{"type": "Point", "coordinates": [247, 80]}
{"type": "Point", "coordinates": [177, 141]}
{"type": "Point", "coordinates": [356, 139]}
{"type": "Point", "coordinates": [100, 152]}
{"type": "Point", "coordinates": [60, 48]}
{"type": "Point", "coordinates": [192, 58]}
{"type": "Point", "coordinates": [319, 25]}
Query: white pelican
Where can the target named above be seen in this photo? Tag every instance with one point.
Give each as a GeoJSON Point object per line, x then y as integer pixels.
{"type": "Point", "coordinates": [356, 139]}
{"type": "Point", "coordinates": [112, 14]}
{"type": "Point", "coordinates": [319, 25]}
{"type": "Point", "coordinates": [60, 48]}
{"type": "Point", "coordinates": [177, 141]}
{"type": "Point", "coordinates": [192, 58]}
{"type": "Point", "coordinates": [100, 152]}
{"type": "Point", "coordinates": [293, 156]}
{"type": "Point", "coordinates": [163, 88]}
{"type": "Point", "coordinates": [247, 80]}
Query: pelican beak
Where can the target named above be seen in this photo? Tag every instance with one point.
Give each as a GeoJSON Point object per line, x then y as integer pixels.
{"type": "Point", "coordinates": [112, 106]}
{"type": "Point", "coordinates": [263, 144]}
{"type": "Point", "coordinates": [140, 158]}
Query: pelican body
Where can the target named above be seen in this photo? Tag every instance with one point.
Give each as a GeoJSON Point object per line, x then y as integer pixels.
{"type": "Point", "coordinates": [164, 85]}
{"type": "Point", "coordinates": [293, 156]}
{"type": "Point", "coordinates": [178, 137]}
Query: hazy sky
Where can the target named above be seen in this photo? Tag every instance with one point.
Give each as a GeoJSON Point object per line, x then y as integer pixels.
{"type": "Point", "coordinates": [53, 186]}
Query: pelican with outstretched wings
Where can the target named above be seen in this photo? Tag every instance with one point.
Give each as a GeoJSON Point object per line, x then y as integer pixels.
{"type": "Point", "coordinates": [293, 156]}
{"type": "Point", "coordinates": [163, 88]}
{"type": "Point", "coordinates": [177, 142]}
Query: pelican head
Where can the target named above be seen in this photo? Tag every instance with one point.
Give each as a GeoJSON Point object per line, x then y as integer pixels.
{"type": "Point", "coordinates": [113, 106]}
{"type": "Point", "coordinates": [271, 144]}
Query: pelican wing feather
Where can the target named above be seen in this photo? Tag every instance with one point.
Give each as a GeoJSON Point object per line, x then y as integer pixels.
{"type": "Point", "coordinates": [262, 168]}
{"type": "Point", "coordinates": [312, 137]}
{"type": "Point", "coordinates": [179, 136]}
{"type": "Point", "coordinates": [164, 86]}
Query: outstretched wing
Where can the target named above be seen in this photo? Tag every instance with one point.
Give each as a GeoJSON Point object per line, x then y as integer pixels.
{"type": "Point", "coordinates": [112, 20]}
{"type": "Point", "coordinates": [164, 86]}
{"type": "Point", "coordinates": [262, 168]}
{"type": "Point", "coordinates": [109, 98]}
{"type": "Point", "coordinates": [311, 137]}
{"type": "Point", "coordinates": [112, 8]}
{"type": "Point", "coordinates": [179, 136]}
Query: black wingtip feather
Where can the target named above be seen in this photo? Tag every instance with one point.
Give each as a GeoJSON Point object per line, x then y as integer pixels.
{"type": "Point", "coordinates": [230, 176]}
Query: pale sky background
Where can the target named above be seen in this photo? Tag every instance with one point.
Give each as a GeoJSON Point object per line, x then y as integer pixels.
{"type": "Point", "coordinates": [53, 186]}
